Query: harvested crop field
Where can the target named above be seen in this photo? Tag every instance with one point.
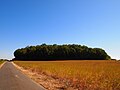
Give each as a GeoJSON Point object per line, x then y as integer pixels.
{"type": "Point", "coordinates": [1, 62]}
{"type": "Point", "coordinates": [79, 75]}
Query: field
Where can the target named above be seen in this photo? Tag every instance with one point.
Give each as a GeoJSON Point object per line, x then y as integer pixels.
{"type": "Point", "coordinates": [1, 62]}
{"type": "Point", "coordinates": [81, 75]}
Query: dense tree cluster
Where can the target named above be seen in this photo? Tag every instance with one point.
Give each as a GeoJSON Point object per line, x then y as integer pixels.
{"type": "Point", "coordinates": [60, 52]}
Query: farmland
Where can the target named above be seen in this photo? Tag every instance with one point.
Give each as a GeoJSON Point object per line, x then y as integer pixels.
{"type": "Point", "coordinates": [1, 62]}
{"type": "Point", "coordinates": [82, 75]}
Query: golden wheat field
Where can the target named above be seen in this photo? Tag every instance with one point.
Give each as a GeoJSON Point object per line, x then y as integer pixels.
{"type": "Point", "coordinates": [83, 75]}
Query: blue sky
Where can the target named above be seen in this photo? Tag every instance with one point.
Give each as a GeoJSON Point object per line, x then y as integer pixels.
{"type": "Point", "coordinates": [95, 23]}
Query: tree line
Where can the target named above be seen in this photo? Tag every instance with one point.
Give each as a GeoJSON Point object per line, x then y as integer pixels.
{"type": "Point", "coordinates": [60, 52]}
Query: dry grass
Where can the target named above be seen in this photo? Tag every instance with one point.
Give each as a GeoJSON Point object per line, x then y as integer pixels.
{"type": "Point", "coordinates": [81, 75]}
{"type": "Point", "coordinates": [1, 62]}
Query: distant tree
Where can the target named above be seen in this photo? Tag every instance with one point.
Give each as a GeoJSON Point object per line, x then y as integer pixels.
{"type": "Point", "coordinates": [60, 52]}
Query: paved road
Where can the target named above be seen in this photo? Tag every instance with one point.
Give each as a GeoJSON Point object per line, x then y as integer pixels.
{"type": "Point", "coordinates": [13, 79]}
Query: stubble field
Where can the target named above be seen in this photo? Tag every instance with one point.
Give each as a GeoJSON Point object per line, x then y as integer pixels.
{"type": "Point", "coordinates": [81, 75]}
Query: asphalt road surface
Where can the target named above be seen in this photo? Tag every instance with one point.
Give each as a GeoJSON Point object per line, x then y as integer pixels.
{"type": "Point", "coordinates": [12, 79]}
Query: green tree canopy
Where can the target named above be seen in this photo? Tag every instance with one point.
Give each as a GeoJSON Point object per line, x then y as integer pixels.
{"type": "Point", "coordinates": [60, 52]}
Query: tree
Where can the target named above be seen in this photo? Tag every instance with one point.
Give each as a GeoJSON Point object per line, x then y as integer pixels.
{"type": "Point", "coordinates": [60, 52]}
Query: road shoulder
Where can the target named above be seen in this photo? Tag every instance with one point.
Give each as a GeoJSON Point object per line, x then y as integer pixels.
{"type": "Point", "coordinates": [26, 73]}
{"type": "Point", "coordinates": [46, 81]}
{"type": "Point", "coordinates": [2, 64]}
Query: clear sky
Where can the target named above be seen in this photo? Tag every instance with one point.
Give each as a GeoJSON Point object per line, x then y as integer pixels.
{"type": "Point", "coordinates": [94, 23]}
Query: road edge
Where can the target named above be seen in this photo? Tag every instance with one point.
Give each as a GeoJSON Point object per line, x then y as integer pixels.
{"type": "Point", "coordinates": [20, 69]}
{"type": "Point", "coordinates": [2, 64]}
